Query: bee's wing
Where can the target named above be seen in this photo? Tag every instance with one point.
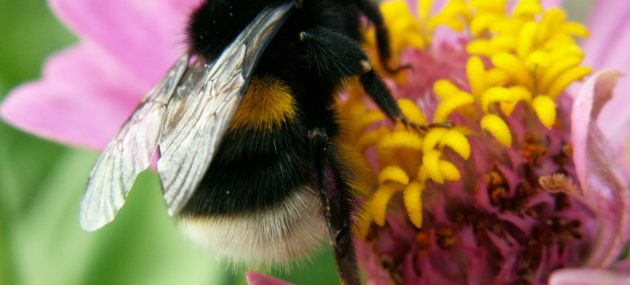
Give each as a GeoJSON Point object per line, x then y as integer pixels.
{"type": "Point", "coordinates": [201, 111]}
{"type": "Point", "coordinates": [128, 154]}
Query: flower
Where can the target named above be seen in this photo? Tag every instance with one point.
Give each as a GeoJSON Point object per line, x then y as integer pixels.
{"type": "Point", "coordinates": [88, 90]}
{"type": "Point", "coordinates": [523, 186]}
{"type": "Point", "coordinates": [524, 189]}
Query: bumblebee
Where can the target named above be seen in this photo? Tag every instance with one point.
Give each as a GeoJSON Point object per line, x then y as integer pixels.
{"type": "Point", "coordinates": [243, 126]}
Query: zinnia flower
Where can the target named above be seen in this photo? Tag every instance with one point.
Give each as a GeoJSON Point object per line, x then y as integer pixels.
{"type": "Point", "coordinates": [525, 189]}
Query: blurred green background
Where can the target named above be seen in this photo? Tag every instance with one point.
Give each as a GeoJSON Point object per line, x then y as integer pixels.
{"type": "Point", "coordinates": [41, 184]}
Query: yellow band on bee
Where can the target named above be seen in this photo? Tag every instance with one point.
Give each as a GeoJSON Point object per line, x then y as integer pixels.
{"type": "Point", "coordinates": [267, 104]}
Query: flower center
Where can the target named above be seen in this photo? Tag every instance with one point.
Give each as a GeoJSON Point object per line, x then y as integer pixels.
{"type": "Point", "coordinates": [500, 82]}
{"type": "Point", "coordinates": [526, 57]}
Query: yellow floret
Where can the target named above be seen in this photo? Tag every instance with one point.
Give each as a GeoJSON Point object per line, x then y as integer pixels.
{"type": "Point", "coordinates": [497, 128]}
{"type": "Point", "coordinates": [431, 163]}
{"type": "Point", "coordinates": [401, 139]}
{"type": "Point", "coordinates": [448, 106]}
{"type": "Point", "coordinates": [380, 200]}
{"type": "Point", "coordinates": [545, 109]}
{"type": "Point", "coordinates": [412, 197]}
{"type": "Point", "coordinates": [476, 75]}
{"type": "Point", "coordinates": [411, 110]}
{"type": "Point", "coordinates": [458, 142]}
{"type": "Point", "coordinates": [445, 89]}
{"type": "Point", "coordinates": [394, 174]}
{"type": "Point", "coordinates": [449, 170]}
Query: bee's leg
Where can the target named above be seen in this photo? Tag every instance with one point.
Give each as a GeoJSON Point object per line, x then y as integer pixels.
{"type": "Point", "coordinates": [371, 11]}
{"type": "Point", "coordinates": [376, 89]}
{"type": "Point", "coordinates": [337, 201]}
{"type": "Point", "coordinates": [337, 56]}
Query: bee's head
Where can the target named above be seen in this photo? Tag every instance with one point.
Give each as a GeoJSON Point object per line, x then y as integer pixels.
{"type": "Point", "coordinates": [216, 23]}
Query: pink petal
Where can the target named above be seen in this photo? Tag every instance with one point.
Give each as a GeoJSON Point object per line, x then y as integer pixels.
{"type": "Point", "coordinates": [255, 278]}
{"type": "Point", "coordinates": [588, 277]}
{"type": "Point", "coordinates": [598, 172]}
{"type": "Point", "coordinates": [82, 99]}
{"type": "Point", "coordinates": [147, 36]}
{"type": "Point", "coordinates": [608, 48]}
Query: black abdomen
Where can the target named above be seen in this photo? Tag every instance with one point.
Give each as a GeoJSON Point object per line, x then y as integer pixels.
{"type": "Point", "coordinates": [253, 170]}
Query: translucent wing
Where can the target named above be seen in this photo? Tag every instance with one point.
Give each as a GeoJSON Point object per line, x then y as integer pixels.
{"type": "Point", "coordinates": [200, 112]}
{"type": "Point", "coordinates": [128, 154]}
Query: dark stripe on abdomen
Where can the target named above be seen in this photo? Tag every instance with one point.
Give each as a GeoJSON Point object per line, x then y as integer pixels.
{"type": "Point", "coordinates": [253, 170]}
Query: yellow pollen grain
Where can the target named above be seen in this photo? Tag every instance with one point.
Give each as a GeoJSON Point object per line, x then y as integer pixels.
{"type": "Point", "coordinates": [553, 18]}
{"type": "Point", "coordinates": [448, 106]}
{"type": "Point", "coordinates": [476, 75]}
{"type": "Point", "coordinates": [527, 8]}
{"type": "Point", "coordinates": [482, 47]}
{"type": "Point", "coordinates": [568, 77]}
{"type": "Point", "coordinates": [496, 6]}
{"type": "Point", "coordinates": [430, 162]}
{"type": "Point", "coordinates": [432, 139]}
{"type": "Point", "coordinates": [458, 142]}
{"type": "Point", "coordinates": [497, 127]}
{"type": "Point", "coordinates": [538, 61]}
{"type": "Point", "coordinates": [545, 109]}
{"type": "Point", "coordinates": [266, 105]}
{"type": "Point", "coordinates": [411, 110]}
{"type": "Point", "coordinates": [526, 40]}
{"type": "Point", "coordinates": [556, 68]}
{"type": "Point", "coordinates": [514, 67]}
{"type": "Point", "coordinates": [495, 95]}
{"type": "Point", "coordinates": [566, 51]}
{"type": "Point", "coordinates": [496, 77]}
{"type": "Point", "coordinates": [380, 200]}
{"type": "Point", "coordinates": [455, 15]}
{"type": "Point", "coordinates": [482, 22]}
{"type": "Point", "coordinates": [449, 171]}
{"type": "Point", "coordinates": [445, 89]}
{"type": "Point", "coordinates": [575, 29]}
{"type": "Point", "coordinates": [412, 197]}
{"type": "Point", "coordinates": [558, 40]}
{"type": "Point", "coordinates": [401, 139]}
{"type": "Point", "coordinates": [505, 42]}
{"type": "Point", "coordinates": [519, 94]}
{"type": "Point", "coordinates": [393, 173]}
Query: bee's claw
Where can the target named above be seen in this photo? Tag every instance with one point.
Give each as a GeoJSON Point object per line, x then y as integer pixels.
{"type": "Point", "coordinates": [397, 69]}
{"type": "Point", "coordinates": [423, 128]}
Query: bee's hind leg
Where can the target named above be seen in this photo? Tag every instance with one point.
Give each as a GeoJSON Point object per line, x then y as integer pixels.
{"type": "Point", "coordinates": [337, 204]}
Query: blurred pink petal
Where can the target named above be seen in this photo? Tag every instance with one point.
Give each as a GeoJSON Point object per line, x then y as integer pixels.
{"type": "Point", "coordinates": [597, 171]}
{"type": "Point", "coordinates": [588, 277]}
{"type": "Point", "coordinates": [551, 3]}
{"type": "Point", "coordinates": [82, 99]}
{"type": "Point", "coordinates": [147, 36]}
{"type": "Point", "coordinates": [255, 278]}
{"type": "Point", "coordinates": [608, 48]}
